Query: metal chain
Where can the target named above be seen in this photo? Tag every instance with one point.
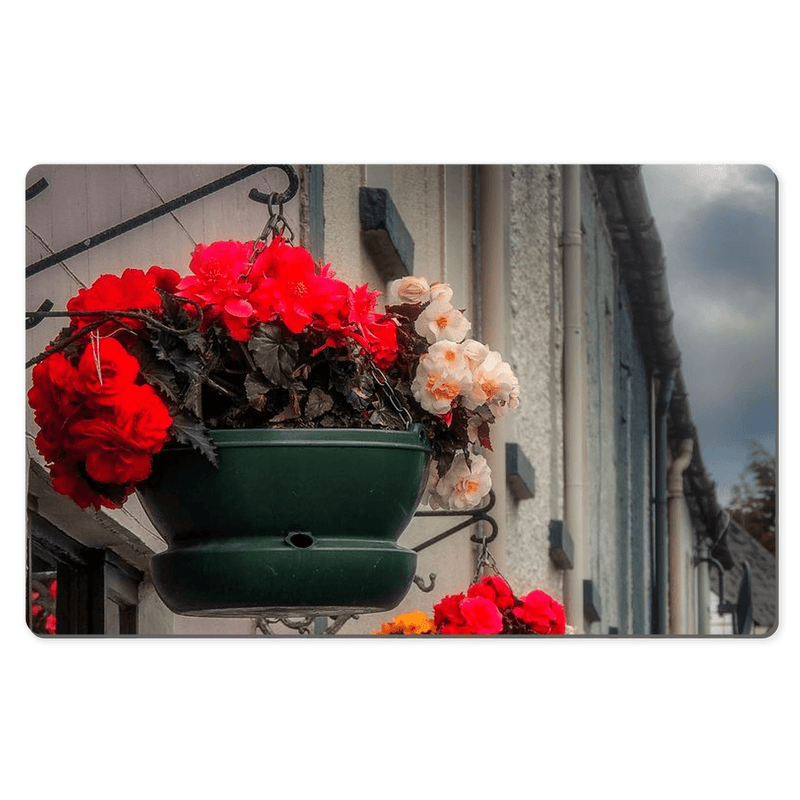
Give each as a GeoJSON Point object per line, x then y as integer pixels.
{"type": "Point", "coordinates": [485, 558]}
{"type": "Point", "coordinates": [383, 382]}
{"type": "Point", "coordinates": [277, 225]}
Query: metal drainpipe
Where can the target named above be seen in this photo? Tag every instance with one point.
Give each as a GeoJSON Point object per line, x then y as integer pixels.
{"type": "Point", "coordinates": [703, 590]}
{"type": "Point", "coordinates": [677, 592]}
{"type": "Point", "coordinates": [662, 567]}
{"type": "Point", "coordinates": [493, 219]}
{"type": "Point", "coordinates": [574, 378]}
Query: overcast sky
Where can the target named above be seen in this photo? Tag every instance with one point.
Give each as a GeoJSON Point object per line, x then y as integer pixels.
{"type": "Point", "coordinates": [717, 226]}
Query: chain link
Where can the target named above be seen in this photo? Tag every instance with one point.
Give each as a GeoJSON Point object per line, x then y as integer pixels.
{"type": "Point", "coordinates": [277, 225]}
{"type": "Point", "coordinates": [485, 559]}
{"type": "Point", "coordinates": [383, 382]}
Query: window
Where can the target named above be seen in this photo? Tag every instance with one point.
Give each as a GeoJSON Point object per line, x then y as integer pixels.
{"type": "Point", "coordinates": [74, 589]}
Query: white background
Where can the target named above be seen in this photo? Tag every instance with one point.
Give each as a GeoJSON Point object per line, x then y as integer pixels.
{"type": "Point", "coordinates": [352, 82]}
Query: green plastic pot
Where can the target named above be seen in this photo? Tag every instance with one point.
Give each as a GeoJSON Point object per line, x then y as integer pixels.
{"type": "Point", "coordinates": [292, 522]}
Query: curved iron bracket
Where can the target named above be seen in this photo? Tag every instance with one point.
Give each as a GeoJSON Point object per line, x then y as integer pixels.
{"type": "Point", "coordinates": [279, 199]}
{"type": "Point", "coordinates": [307, 625]}
{"type": "Point", "coordinates": [475, 515]}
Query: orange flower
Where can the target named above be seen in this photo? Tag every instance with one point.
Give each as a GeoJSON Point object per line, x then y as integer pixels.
{"type": "Point", "coordinates": [413, 622]}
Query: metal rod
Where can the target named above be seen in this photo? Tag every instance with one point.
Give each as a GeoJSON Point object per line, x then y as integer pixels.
{"type": "Point", "coordinates": [475, 516]}
{"type": "Point", "coordinates": [37, 187]}
{"type": "Point", "coordinates": [35, 318]}
{"type": "Point", "coordinates": [149, 216]}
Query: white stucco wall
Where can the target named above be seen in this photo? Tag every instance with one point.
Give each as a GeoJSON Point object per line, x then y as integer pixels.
{"type": "Point", "coordinates": [535, 354]}
{"type": "Point", "coordinates": [520, 300]}
{"type": "Point", "coordinates": [434, 202]}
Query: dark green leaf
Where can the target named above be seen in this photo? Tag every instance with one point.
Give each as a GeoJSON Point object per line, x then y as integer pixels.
{"type": "Point", "coordinates": [192, 400]}
{"type": "Point", "coordinates": [385, 418]}
{"type": "Point", "coordinates": [275, 356]}
{"type": "Point", "coordinates": [155, 372]}
{"type": "Point", "coordinates": [171, 348]}
{"type": "Point", "coordinates": [292, 410]}
{"type": "Point", "coordinates": [159, 375]}
{"type": "Point", "coordinates": [344, 379]}
{"type": "Point", "coordinates": [193, 432]}
{"type": "Point", "coordinates": [318, 403]}
{"type": "Point", "coordinates": [256, 390]}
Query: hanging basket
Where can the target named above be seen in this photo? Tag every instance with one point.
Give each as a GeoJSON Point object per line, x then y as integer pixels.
{"type": "Point", "coordinates": [292, 522]}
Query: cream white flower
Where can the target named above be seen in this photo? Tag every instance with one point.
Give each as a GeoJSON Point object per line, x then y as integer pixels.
{"type": "Point", "coordinates": [440, 321]}
{"type": "Point", "coordinates": [410, 289]}
{"type": "Point", "coordinates": [464, 486]}
{"type": "Point", "coordinates": [494, 384]}
{"type": "Point", "coordinates": [451, 356]}
{"type": "Point", "coordinates": [442, 375]}
{"type": "Point", "coordinates": [441, 291]}
{"type": "Point", "coordinates": [474, 352]}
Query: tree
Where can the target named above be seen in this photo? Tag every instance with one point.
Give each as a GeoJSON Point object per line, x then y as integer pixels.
{"type": "Point", "coordinates": [752, 506]}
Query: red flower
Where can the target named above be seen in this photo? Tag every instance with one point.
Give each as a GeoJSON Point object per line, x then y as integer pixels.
{"type": "Point", "coordinates": [52, 589]}
{"type": "Point", "coordinates": [291, 288]}
{"type": "Point", "coordinates": [541, 613]}
{"type": "Point", "coordinates": [106, 369]}
{"type": "Point", "coordinates": [447, 614]}
{"type": "Point", "coordinates": [220, 285]}
{"type": "Point", "coordinates": [117, 446]}
{"type": "Point", "coordinates": [54, 400]}
{"type": "Point", "coordinates": [459, 615]}
{"type": "Point", "coordinates": [35, 610]}
{"type": "Point", "coordinates": [165, 279]}
{"type": "Point", "coordinates": [380, 341]}
{"type": "Point", "coordinates": [50, 624]}
{"type": "Point", "coordinates": [362, 305]}
{"type": "Point", "coordinates": [493, 588]}
{"type": "Point", "coordinates": [131, 290]}
{"type": "Point", "coordinates": [68, 480]}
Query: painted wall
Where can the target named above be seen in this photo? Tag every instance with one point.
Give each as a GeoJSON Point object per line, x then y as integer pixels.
{"type": "Point", "coordinates": [436, 205]}
{"type": "Point", "coordinates": [535, 353]}
{"type": "Point", "coordinates": [618, 470]}
{"type": "Point", "coordinates": [434, 202]}
{"type": "Point", "coordinates": [82, 201]}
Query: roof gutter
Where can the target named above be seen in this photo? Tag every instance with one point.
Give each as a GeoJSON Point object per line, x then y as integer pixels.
{"type": "Point", "coordinates": [642, 267]}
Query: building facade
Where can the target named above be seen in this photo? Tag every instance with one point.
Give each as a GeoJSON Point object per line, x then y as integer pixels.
{"type": "Point", "coordinates": [601, 496]}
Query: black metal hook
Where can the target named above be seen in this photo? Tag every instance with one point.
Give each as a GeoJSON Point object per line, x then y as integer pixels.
{"type": "Point", "coordinates": [420, 582]}
{"type": "Point", "coordinates": [279, 199]}
{"type": "Point", "coordinates": [474, 515]}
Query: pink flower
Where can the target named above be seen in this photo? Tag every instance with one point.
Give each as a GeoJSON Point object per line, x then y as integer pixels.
{"type": "Point", "coordinates": [482, 615]}
{"type": "Point", "coordinates": [541, 613]}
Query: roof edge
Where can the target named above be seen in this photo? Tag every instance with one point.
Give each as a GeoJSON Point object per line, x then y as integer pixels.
{"type": "Point", "coordinates": [642, 262]}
